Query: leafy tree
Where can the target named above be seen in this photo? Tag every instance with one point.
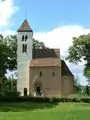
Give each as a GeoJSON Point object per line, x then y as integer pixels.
{"type": "Point", "coordinates": [38, 45]}
{"type": "Point", "coordinates": [79, 51]}
{"type": "Point", "coordinates": [4, 57]}
{"type": "Point", "coordinates": [10, 84]}
{"type": "Point", "coordinates": [77, 84]}
{"type": "Point", "coordinates": [87, 90]}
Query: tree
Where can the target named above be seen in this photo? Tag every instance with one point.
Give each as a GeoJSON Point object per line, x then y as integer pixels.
{"type": "Point", "coordinates": [87, 90]}
{"type": "Point", "coordinates": [4, 56]}
{"type": "Point", "coordinates": [77, 84]}
{"type": "Point", "coordinates": [38, 45]}
{"type": "Point", "coordinates": [79, 51]}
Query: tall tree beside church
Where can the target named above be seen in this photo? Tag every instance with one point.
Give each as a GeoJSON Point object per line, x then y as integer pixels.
{"type": "Point", "coordinates": [8, 52]}
{"type": "Point", "coordinates": [80, 50]}
{"type": "Point", "coordinates": [4, 57]}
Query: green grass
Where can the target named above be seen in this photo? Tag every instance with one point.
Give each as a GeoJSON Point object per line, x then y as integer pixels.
{"type": "Point", "coordinates": [44, 111]}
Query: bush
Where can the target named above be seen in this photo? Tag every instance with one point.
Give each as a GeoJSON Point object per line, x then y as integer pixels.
{"type": "Point", "coordinates": [41, 100]}
{"type": "Point", "coordinates": [86, 100]}
{"type": "Point", "coordinates": [65, 100]}
{"type": "Point", "coordinates": [11, 93]}
{"type": "Point", "coordinates": [87, 90]}
{"type": "Point", "coordinates": [23, 99]}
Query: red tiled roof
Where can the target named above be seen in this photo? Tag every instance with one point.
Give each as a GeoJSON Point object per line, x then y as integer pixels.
{"type": "Point", "coordinates": [25, 27]}
{"type": "Point", "coordinates": [45, 62]}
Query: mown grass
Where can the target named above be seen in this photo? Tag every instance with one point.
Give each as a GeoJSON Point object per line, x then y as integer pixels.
{"type": "Point", "coordinates": [44, 111]}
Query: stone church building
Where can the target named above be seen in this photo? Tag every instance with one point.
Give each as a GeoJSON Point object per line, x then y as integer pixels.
{"type": "Point", "coordinates": [41, 72]}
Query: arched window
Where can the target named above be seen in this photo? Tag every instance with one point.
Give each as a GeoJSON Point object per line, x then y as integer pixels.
{"type": "Point", "coordinates": [24, 48]}
{"type": "Point", "coordinates": [26, 37]}
{"type": "Point", "coordinates": [22, 37]}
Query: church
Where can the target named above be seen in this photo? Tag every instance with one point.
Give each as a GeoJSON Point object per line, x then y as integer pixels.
{"type": "Point", "coordinates": [41, 72]}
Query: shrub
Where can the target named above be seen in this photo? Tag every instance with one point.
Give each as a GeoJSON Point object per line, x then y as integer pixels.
{"type": "Point", "coordinates": [87, 90]}
{"type": "Point", "coordinates": [11, 98]}
{"type": "Point", "coordinates": [23, 99]}
{"type": "Point", "coordinates": [11, 93]}
{"type": "Point", "coordinates": [86, 100]}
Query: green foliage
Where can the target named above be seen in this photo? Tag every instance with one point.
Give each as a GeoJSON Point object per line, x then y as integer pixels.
{"type": "Point", "coordinates": [7, 54]}
{"type": "Point", "coordinates": [79, 51]}
{"type": "Point", "coordinates": [86, 71]}
{"type": "Point", "coordinates": [11, 94]}
{"type": "Point", "coordinates": [87, 90]}
{"type": "Point", "coordinates": [4, 54]}
{"type": "Point", "coordinates": [38, 45]}
{"type": "Point", "coordinates": [14, 97]}
{"type": "Point", "coordinates": [77, 84]}
{"type": "Point", "coordinates": [8, 85]}
{"type": "Point", "coordinates": [11, 98]}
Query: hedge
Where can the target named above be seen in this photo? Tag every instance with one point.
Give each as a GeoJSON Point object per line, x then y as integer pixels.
{"type": "Point", "coordinates": [41, 100]}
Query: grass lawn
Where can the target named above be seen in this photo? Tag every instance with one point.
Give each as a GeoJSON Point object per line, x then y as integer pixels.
{"type": "Point", "coordinates": [44, 111]}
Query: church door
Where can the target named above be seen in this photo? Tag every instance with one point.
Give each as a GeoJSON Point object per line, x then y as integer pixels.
{"type": "Point", "coordinates": [38, 91]}
{"type": "Point", "coordinates": [25, 91]}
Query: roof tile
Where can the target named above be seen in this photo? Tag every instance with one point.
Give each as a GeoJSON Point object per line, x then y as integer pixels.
{"type": "Point", "coordinates": [46, 62]}
{"type": "Point", "coordinates": [25, 27]}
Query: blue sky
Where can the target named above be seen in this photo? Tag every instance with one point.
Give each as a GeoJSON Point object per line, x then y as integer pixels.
{"type": "Point", "coordinates": [46, 14]}
{"type": "Point", "coordinates": [54, 22]}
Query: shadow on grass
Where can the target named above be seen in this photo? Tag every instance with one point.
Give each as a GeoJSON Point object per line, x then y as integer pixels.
{"type": "Point", "coordinates": [25, 106]}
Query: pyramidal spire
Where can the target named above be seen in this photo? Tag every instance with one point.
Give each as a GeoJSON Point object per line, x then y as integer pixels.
{"type": "Point", "coordinates": [25, 27]}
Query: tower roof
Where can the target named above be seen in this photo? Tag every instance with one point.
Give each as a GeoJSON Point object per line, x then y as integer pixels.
{"type": "Point", "coordinates": [25, 27]}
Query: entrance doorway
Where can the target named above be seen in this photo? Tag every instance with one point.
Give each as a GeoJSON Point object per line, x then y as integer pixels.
{"type": "Point", "coordinates": [38, 91]}
{"type": "Point", "coordinates": [25, 91]}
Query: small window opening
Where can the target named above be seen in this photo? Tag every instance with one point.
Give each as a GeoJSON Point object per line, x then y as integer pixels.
{"type": "Point", "coordinates": [24, 48]}
{"type": "Point", "coordinates": [40, 73]}
{"type": "Point", "coordinates": [53, 74]}
{"type": "Point", "coordinates": [26, 37]}
{"type": "Point", "coordinates": [22, 37]}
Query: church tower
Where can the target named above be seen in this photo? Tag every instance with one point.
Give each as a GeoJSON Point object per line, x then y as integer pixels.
{"type": "Point", "coordinates": [24, 55]}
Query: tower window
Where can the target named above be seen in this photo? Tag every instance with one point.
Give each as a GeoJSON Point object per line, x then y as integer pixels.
{"type": "Point", "coordinates": [26, 37]}
{"type": "Point", "coordinates": [40, 73]}
{"type": "Point", "coordinates": [53, 73]}
{"type": "Point", "coordinates": [24, 48]}
{"type": "Point", "coordinates": [22, 37]}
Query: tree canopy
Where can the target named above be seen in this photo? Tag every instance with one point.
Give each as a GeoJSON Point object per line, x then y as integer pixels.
{"type": "Point", "coordinates": [79, 51]}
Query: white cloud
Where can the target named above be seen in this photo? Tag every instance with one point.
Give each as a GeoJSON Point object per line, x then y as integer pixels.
{"type": "Point", "coordinates": [7, 9]}
{"type": "Point", "coordinates": [7, 32]}
{"type": "Point", "coordinates": [61, 37]}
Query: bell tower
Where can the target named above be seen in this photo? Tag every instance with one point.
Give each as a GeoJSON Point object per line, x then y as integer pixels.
{"type": "Point", "coordinates": [24, 55]}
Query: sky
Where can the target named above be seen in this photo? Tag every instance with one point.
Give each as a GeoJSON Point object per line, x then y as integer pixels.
{"type": "Point", "coordinates": [54, 22]}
